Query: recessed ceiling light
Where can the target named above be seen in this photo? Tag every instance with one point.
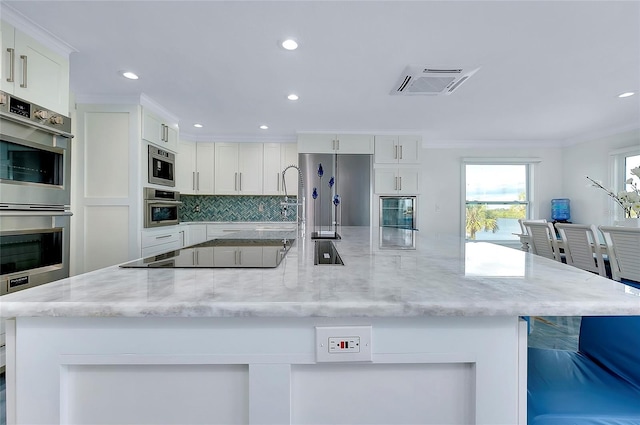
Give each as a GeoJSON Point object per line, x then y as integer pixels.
{"type": "Point", "coordinates": [197, 125]}
{"type": "Point", "coordinates": [130, 75]}
{"type": "Point", "coordinates": [264, 127]}
{"type": "Point", "coordinates": [293, 97]}
{"type": "Point", "coordinates": [290, 44]}
{"type": "Point", "coordinates": [627, 94]}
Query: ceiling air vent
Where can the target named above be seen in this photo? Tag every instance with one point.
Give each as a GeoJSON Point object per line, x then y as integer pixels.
{"type": "Point", "coordinates": [435, 81]}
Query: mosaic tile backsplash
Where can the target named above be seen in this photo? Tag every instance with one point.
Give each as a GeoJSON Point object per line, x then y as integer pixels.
{"type": "Point", "coordinates": [233, 208]}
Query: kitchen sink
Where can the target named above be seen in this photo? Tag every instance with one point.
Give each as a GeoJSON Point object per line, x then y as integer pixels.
{"type": "Point", "coordinates": [325, 253]}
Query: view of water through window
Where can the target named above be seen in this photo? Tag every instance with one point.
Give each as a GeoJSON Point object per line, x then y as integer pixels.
{"type": "Point", "coordinates": [496, 197]}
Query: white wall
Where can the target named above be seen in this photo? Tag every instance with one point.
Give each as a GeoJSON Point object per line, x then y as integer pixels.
{"type": "Point", "coordinates": [592, 158]}
{"type": "Point", "coordinates": [560, 174]}
{"type": "Point", "coordinates": [440, 202]}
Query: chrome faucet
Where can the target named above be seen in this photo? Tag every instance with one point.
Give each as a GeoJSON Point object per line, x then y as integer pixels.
{"type": "Point", "coordinates": [284, 205]}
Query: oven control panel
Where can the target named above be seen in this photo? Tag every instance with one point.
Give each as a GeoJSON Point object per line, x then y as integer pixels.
{"type": "Point", "coordinates": [14, 106]}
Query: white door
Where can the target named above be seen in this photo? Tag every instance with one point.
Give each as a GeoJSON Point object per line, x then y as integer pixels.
{"type": "Point", "coordinates": [6, 71]}
{"type": "Point", "coordinates": [250, 168]}
{"type": "Point", "coordinates": [408, 183]}
{"type": "Point", "coordinates": [205, 164]}
{"type": "Point", "coordinates": [316, 143]}
{"type": "Point", "coordinates": [386, 149]}
{"type": "Point", "coordinates": [409, 149]}
{"type": "Point", "coordinates": [272, 169]}
{"type": "Point", "coordinates": [386, 180]}
{"type": "Point", "coordinates": [289, 155]}
{"type": "Point", "coordinates": [186, 168]}
{"type": "Point", "coordinates": [354, 143]}
{"type": "Point", "coordinates": [44, 73]}
{"type": "Point", "coordinates": [226, 169]}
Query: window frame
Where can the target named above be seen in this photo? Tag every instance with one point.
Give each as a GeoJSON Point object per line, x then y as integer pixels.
{"type": "Point", "coordinates": [530, 210]}
{"type": "Point", "coordinates": [617, 176]}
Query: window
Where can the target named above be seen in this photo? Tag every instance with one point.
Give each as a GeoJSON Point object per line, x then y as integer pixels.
{"type": "Point", "coordinates": [622, 162]}
{"type": "Point", "coordinates": [496, 196]}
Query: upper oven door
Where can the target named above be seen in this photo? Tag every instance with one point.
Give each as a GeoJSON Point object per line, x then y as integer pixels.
{"type": "Point", "coordinates": [34, 165]}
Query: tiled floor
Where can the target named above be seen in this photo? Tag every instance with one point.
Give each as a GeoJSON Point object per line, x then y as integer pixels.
{"type": "Point", "coordinates": [547, 332]}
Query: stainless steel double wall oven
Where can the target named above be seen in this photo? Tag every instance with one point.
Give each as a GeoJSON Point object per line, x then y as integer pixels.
{"type": "Point", "coordinates": [35, 197]}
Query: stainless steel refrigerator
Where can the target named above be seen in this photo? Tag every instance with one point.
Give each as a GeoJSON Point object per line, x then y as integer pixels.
{"type": "Point", "coordinates": [343, 201]}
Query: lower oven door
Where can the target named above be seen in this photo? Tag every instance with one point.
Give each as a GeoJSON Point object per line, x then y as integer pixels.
{"type": "Point", "coordinates": [34, 249]}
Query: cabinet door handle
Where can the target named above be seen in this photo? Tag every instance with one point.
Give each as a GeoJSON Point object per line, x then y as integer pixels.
{"type": "Point", "coordinates": [240, 182]}
{"type": "Point", "coordinates": [198, 180]}
{"type": "Point", "coordinates": [400, 151]}
{"type": "Point", "coordinates": [395, 151]}
{"type": "Point", "coordinates": [193, 180]}
{"type": "Point", "coordinates": [24, 71]}
{"type": "Point", "coordinates": [333, 145]}
{"type": "Point", "coordinates": [400, 188]}
{"type": "Point", "coordinates": [235, 181]}
{"type": "Point", "coordinates": [278, 179]}
{"type": "Point", "coordinates": [395, 183]}
{"type": "Point", "coordinates": [338, 144]}
{"type": "Point", "coordinates": [12, 64]}
{"type": "Point", "coordinates": [163, 237]}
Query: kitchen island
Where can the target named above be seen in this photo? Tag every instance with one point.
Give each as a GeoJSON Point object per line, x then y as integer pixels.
{"type": "Point", "coordinates": [436, 337]}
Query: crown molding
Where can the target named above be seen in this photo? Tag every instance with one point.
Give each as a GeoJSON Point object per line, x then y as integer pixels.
{"type": "Point", "coordinates": [482, 144]}
{"type": "Point", "coordinates": [601, 134]}
{"type": "Point", "coordinates": [24, 24]}
{"type": "Point", "coordinates": [236, 138]}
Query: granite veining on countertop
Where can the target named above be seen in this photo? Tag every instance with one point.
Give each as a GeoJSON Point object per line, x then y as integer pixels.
{"type": "Point", "coordinates": [442, 277]}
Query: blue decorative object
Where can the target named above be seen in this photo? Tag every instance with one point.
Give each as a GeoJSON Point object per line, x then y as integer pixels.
{"type": "Point", "coordinates": [320, 171]}
{"type": "Point", "coordinates": [331, 182]}
{"type": "Point", "coordinates": [315, 193]}
{"type": "Point", "coordinates": [336, 200]}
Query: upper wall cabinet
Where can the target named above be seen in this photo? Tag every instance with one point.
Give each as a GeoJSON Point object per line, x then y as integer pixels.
{"type": "Point", "coordinates": [278, 156]}
{"type": "Point", "coordinates": [33, 72]}
{"type": "Point", "coordinates": [157, 131]}
{"type": "Point", "coordinates": [194, 168]}
{"type": "Point", "coordinates": [238, 168]}
{"type": "Point", "coordinates": [335, 143]}
{"type": "Point", "coordinates": [397, 149]}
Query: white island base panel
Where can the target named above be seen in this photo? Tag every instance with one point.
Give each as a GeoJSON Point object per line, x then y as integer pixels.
{"type": "Point", "coordinates": [424, 370]}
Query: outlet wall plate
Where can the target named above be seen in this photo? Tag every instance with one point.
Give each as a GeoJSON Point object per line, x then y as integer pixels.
{"type": "Point", "coordinates": [343, 344]}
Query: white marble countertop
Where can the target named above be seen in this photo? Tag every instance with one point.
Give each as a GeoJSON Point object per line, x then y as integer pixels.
{"type": "Point", "coordinates": [442, 277]}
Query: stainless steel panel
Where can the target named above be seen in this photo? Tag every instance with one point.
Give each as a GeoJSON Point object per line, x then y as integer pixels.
{"type": "Point", "coordinates": [352, 175]}
{"type": "Point", "coordinates": [15, 223]}
{"type": "Point", "coordinates": [353, 184]}
{"type": "Point", "coordinates": [25, 193]}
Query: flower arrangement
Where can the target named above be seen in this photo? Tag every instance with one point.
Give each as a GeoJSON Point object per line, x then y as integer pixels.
{"type": "Point", "coordinates": [628, 200]}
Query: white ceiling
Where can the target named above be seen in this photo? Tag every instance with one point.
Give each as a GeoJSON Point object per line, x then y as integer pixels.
{"type": "Point", "coordinates": [550, 71]}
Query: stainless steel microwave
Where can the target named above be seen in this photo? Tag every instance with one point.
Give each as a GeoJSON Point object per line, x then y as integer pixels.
{"type": "Point", "coordinates": [162, 167]}
{"type": "Point", "coordinates": [161, 207]}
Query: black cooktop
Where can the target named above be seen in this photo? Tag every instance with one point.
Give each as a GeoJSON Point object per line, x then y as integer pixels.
{"type": "Point", "coordinates": [233, 253]}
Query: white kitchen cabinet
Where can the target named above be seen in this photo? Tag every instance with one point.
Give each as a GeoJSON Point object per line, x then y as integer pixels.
{"type": "Point", "coordinates": [335, 143]}
{"type": "Point", "coordinates": [33, 72]}
{"type": "Point", "coordinates": [195, 168]}
{"type": "Point", "coordinates": [158, 241]}
{"type": "Point", "coordinates": [246, 256]}
{"type": "Point", "coordinates": [186, 168]}
{"type": "Point", "coordinates": [158, 131]}
{"type": "Point", "coordinates": [397, 149]}
{"type": "Point", "coordinates": [238, 168]}
{"type": "Point", "coordinates": [196, 233]}
{"type": "Point", "coordinates": [396, 180]}
{"type": "Point", "coordinates": [205, 166]}
{"type": "Point", "coordinates": [278, 156]}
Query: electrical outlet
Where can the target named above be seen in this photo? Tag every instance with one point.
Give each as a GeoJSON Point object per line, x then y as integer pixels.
{"type": "Point", "coordinates": [261, 207]}
{"type": "Point", "coordinates": [343, 344]}
{"type": "Point", "coordinates": [196, 208]}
